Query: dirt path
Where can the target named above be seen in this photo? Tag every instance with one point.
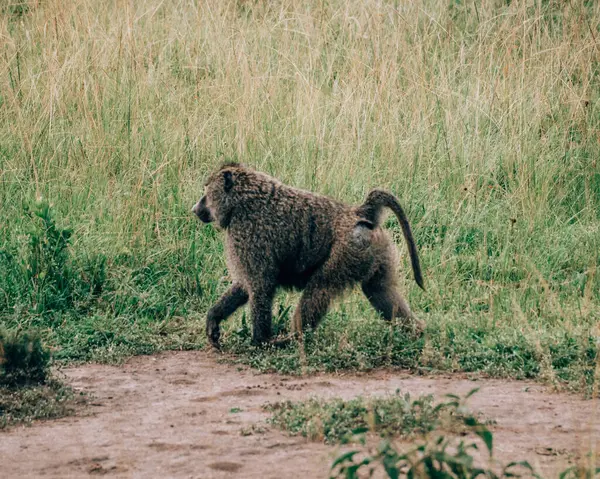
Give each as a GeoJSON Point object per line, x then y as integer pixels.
{"type": "Point", "coordinates": [171, 416]}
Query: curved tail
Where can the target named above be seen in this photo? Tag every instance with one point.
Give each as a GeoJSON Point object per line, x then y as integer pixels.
{"type": "Point", "coordinates": [371, 210]}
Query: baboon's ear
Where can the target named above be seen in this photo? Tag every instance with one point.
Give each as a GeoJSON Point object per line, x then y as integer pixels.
{"type": "Point", "coordinates": [227, 180]}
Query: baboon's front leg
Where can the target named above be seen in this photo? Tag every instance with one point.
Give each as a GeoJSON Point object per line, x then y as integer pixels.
{"type": "Point", "coordinates": [235, 297]}
{"type": "Point", "coordinates": [261, 302]}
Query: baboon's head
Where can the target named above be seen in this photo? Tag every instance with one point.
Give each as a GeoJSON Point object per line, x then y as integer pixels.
{"type": "Point", "coordinates": [218, 201]}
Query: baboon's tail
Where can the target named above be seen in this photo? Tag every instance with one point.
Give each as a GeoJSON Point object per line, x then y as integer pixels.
{"type": "Point", "coordinates": [371, 210]}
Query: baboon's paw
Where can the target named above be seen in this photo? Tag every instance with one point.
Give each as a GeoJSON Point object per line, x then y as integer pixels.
{"type": "Point", "coordinates": [213, 333]}
{"type": "Point", "coordinates": [414, 327]}
{"type": "Point", "coordinates": [260, 341]}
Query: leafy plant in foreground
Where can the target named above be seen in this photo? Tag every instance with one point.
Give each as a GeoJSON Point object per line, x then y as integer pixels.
{"type": "Point", "coordinates": [580, 471]}
{"type": "Point", "coordinates": [439, 458]}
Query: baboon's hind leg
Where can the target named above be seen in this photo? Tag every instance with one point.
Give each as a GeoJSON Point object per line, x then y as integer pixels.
{"type": "Point", "coordinates": [316, 298]}
{"type": "Point", "coordinates": [383, 294]}
{"type": "Point", "coordinates": [235, 297]}
{"type": "Point", "coordinates": [313, 306]}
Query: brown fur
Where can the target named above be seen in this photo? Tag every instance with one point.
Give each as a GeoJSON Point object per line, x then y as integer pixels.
{"type": "Point", "coordinates": [279, 236]}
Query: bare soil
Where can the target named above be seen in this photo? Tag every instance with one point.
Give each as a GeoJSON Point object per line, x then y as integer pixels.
{"type": "Point", "coordinates": [185, 414]}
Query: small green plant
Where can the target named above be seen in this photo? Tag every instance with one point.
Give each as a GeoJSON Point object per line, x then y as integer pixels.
{"type": "Point", "coordinates": [253, 429]}
{"type": "Point", "coordinates": [23, 359]}
{"type": "Point", "coordinates": [47, 263]}
{"type": "Point", "coordinates": [23, 405]}
{"type": "Point", "coordinates": [337, 420]}
{"type": "Point", "coordinates": [440, 457]}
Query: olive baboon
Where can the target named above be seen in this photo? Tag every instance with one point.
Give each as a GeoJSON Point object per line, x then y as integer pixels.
{"type": "Point", "coordinates": [279, 236]}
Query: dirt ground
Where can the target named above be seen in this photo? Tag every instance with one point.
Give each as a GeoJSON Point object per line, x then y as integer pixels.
{"type": "Point", "coordinates": [181, 414]}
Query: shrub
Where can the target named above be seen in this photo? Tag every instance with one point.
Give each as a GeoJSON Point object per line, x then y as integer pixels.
{"type": "Point", "coordinates": [23, 359]}
{"type": "Point", "coordinates": [27, 391]}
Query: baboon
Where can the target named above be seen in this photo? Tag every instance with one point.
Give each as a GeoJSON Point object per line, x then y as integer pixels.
{"type": "Point", "coordinates": [280, 236]}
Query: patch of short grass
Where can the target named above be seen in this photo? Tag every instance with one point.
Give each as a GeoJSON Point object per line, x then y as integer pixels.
{"type": "Point", "coordinates": [337, 420]}
{"type": "Point", "coordinates": [28, 391]}
{"type": "Point", "coordinates": [29, 403]}
{"type": "Point", "coordinates": [359, 340]}
{"type": "Point", "coordinates": [439, 455]}
{"type": "Point", "coordinates": [464, 452]}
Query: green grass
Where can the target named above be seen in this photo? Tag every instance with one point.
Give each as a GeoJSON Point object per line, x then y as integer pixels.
{"type": "Point", "coordinates": [463, 452]}
{"type": "Point", "coordinates": [438, 455]}
{"type": "Point", "coordinates": [26, 404]}
{"type": "Point", "coordinates": [483, 118]}
{"type": "Point", "coordinates": [418, 439]}
{"type": "Point", "coordinates": [337, 420]}
{"type": "Point", "coordinates": [27, 389]}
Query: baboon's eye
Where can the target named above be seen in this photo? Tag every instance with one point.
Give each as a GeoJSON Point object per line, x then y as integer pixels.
{"type": "Point", "coordinates": [227, 180]}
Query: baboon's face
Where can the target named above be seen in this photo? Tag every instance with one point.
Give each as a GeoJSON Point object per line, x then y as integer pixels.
{"type": "Point", "coordinates": [202, 211]}
{"type": "Point", "coordinates": [216, 203]}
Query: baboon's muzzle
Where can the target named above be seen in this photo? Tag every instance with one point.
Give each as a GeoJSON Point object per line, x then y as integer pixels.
{"type": "Point", "coordinates": [202, 212]}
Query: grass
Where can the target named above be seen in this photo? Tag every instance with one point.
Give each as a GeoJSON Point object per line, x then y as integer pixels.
{"type": "Point", "coordinates": [442, 455]}
{"type": "Point", "coordinates": [27, 389]}
{"type": "Point", "coordinates": [438, 455]}
{"type": "Point", "coordinates": [434, 450]}
{"type": "Point", "coordinates": [337, 420]}
{"type": "Point", "coordinates": [26, 404]}
{"type": "Point", "coordinates": [483, 117]}
{"type": "Point", "coordinates": [445, 440]}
